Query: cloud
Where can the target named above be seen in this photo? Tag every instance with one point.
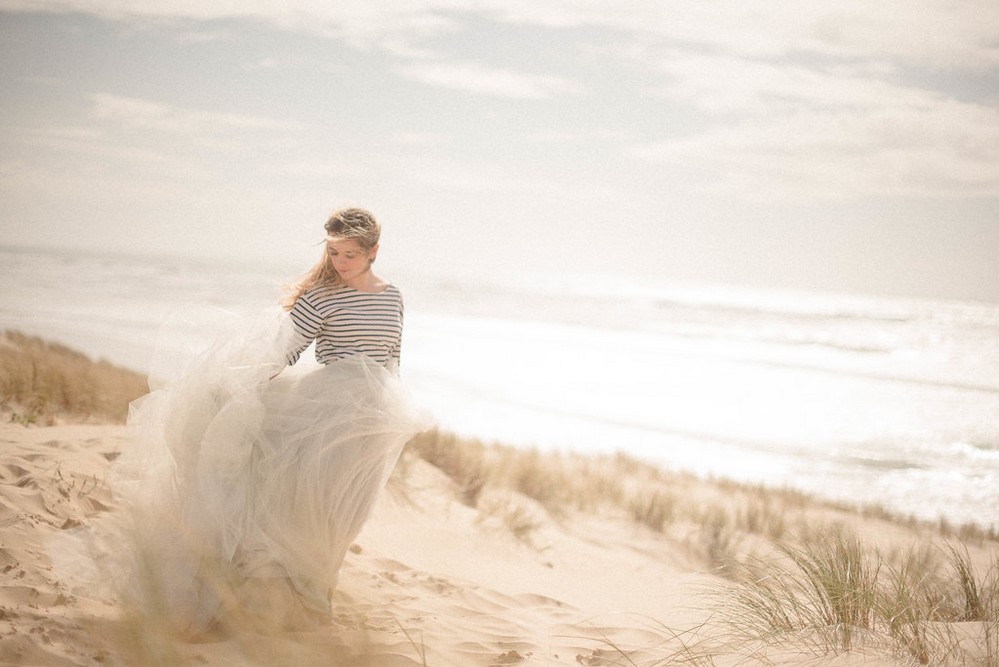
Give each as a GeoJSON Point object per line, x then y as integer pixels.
{"type": "Point", "coordinates": [815, 98]}
{"type": "Point", "coordinates": [944, 148]}
{"type": "Point", "coordinates": [363, 23]}
{"type": "Point", "coordinates": [420, 139]}
{"type": "Point", "coordinates": [138, 114]}
{"type": "Point", "coordinates": [750, 57]}
{"type": "Point", "coordinates": [205, 36]}
{"type": "Point", "coordinates": [779, 128]}
{"type": "Point", "coordinates": [316, 168]}
{"type": "Point", "coordinates": [724, 84]}
{"type": "Point", "coordinates": [939, 33]}
{"type": "Point", "coordinates": [93, 152]}
{"type": "Point", "coordinates": [934, 32]}
{"type": "Point", "coordinates": [481, 80]}
{"type": "Point", "coordinates": [125, 139]}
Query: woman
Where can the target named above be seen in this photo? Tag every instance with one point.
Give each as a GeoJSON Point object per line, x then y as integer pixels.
{"type": "Point", "coordinates": [247, 484]}
{"type": "Point", "coordinates": [370, 310]}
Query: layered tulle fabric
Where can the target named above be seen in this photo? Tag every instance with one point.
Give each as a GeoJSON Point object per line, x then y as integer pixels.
{"type": "Point", "coordinates": [236, 480]}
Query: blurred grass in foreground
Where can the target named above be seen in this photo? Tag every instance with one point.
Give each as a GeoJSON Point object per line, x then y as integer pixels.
{"type": "Point", "coordinates": [42, 381]}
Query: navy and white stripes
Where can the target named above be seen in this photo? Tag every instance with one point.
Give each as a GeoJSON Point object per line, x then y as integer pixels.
{"type": "Point", "coordinates": [345, 322]}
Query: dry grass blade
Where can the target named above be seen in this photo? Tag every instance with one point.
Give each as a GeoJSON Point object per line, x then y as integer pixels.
{"type": "Point", "coordinates": [674, 647]}
{"type": "Point", "coordinates": [973, 603]}
{"type": "Point", "coordinates": [909, 603]}
{"type": "Point", "coordinates": [420, 648]}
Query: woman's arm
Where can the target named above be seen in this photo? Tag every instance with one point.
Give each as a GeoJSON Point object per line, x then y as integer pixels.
{"type": "Point", "coordinates": [307, 322]}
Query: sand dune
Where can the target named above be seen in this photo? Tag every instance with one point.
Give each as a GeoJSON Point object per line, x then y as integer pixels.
{"type": "Point", "coordinates": [430, 581]}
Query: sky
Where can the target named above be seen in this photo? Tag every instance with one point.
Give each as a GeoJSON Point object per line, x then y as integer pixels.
{"type": "Point", "coordinates": [846, 146]}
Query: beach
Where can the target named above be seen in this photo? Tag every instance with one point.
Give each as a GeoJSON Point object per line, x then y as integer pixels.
{"type": "Point", "coordinates": [857, 399]}
{"type": "Point", "coordinates": [681, 346]}
{"type": "Point", "coordinates": [507, 579]}
{"type": "Point", "coordinates": [699, 484]}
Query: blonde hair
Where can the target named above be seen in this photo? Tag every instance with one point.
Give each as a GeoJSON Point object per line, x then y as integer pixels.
{"type": "Point", "coordinates": [345, 224]}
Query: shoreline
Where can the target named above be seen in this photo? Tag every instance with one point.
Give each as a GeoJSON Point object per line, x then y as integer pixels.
{"type": "Point", "coordinates": [806, 392]}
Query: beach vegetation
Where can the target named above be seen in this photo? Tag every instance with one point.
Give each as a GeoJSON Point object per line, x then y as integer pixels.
{"type": "Point", "coordinates": [23, 419]}
{"type": "Point", "coordinates": [809, 582]}
{"type": "Point", "coordinates": [836, 594]}
{"type": "Point", "coordinates": [718, 539]}
{"type": "Point", "coordinates": [789, 573]}
{"type": "Point", "coordinates": [516, 514]}
{"type": "Point", "coordinates": [618, 483]}
{"type": "Point", "coordinates": [463, 460]}
{"type": "Point", "coordinates": [654, 509]}
{"type": "Point", "coordinates": [41, 381]}
{"type": "Point", "coordinates": [665, 646]}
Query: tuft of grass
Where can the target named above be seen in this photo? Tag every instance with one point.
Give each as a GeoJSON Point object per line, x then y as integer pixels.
{"type": "Point", "coordinates": [23, 419]}
{"type": "Point", "coordinates": [829, 589]}
{"type": "Point", "coordinates": [977, 597]}
{"type": "Point", "coordinates": [909, 604]}
{"type": "Point", "coordinates": [461, 460]}
{"type": "Point", "coordinates": [763, 516]}
{"type": "Point", "coordinates": [654, 510]}
{"type": "Point", "coordinates": [544, 478]}
{"type": "Point", "coordinates": [557, 482]}
{"type": "Point", "coordinates": [521, 522]}
{"type": "Point", "coordinates": [839, 594]}
{"type": "Point", "coordinates": [718, 539]}
{"type": "Point", "coordinates": [43, 380]}
{"type": "Point", "coordinates": [517, 516]}
{"type": "Point", "coordinates": [841, 581]}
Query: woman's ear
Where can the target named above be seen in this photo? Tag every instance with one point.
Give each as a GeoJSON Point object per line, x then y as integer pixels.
{"type": "Point", "coordinates": [373, 253]}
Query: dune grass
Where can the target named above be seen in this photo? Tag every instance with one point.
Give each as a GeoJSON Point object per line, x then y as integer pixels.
{"type": "Point", "coordinates": [815, 584]}
{"type": "Point", "coordinates": [828, 587]}
{"type": "Point", "coordinates": [787, 574]}
{"type": "Point", "coordinates": [41, 381]}
{"type": "Point", "coordinates": [650, 495]}
{"type": "Point", "coordinates": [836, 594]}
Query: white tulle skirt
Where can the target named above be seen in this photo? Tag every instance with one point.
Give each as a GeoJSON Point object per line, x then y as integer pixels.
{"type": "Point", "coordinates": [236, 483]}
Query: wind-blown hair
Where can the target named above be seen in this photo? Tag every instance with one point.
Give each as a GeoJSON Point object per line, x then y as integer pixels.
{"type": "Point", "coordinates": [345, 224]}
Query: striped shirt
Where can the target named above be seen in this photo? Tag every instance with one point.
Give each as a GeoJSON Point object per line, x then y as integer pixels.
{"type": "Point", "coordinates": [345, 322]}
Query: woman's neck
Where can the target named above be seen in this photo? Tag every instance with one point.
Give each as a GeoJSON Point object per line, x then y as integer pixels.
{"type": "Point", "coordinates": [366, 282]}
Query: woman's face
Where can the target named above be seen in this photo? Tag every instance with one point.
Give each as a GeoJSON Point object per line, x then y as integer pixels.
{"type": "Point", "coordinates": [349, 259]}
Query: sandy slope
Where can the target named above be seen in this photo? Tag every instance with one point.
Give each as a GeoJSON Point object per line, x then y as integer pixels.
{"type": "Point", "coordinates": [429, 581]}
{"type": "Point", "coordinates": [51, 478]}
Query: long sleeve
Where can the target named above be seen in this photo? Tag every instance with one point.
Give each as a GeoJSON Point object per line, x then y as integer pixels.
{"type": "Point", "coordinates": [343, 322]}
{"type": "Point", "coordinates": [307, 323]}
{"type": "Point", "coordinates": [395, 355]}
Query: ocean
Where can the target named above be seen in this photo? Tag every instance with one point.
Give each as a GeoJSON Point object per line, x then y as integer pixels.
{"type": "Point", "coordinates": [864, 400]}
